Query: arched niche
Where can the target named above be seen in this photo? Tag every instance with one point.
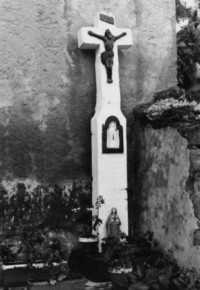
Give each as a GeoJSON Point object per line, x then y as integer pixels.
{"type": "Point", "coordinates": [112, 136]}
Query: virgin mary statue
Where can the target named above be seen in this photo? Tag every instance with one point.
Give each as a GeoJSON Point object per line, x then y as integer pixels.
{"type": "Point", "coordinates": [113, 224]}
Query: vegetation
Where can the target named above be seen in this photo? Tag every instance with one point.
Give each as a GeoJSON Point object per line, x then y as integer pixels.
{"type": "Point", "coordinates": [28, 221]}
{"type": "Point", "coordinates": [182, 11]}
{"type": "Point", "coordinates": [180, 104]}
{"type": "Point", "coordinates": [155, 271]}
{"type": "Point", "coordinates": [188, 49]}
{"type": "Point", "coordinates": [118, 254]}
{"type": "Point", "coordinates": [86, 223]}
{"type": "Point", "coordinates": [162, 274]}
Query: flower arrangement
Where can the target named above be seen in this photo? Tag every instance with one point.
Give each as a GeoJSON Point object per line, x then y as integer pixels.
{"type": "Point", "coordinates": [118, 253]}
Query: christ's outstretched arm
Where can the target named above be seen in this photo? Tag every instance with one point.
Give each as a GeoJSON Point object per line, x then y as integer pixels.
{"type": "Point", "coordinates": [101, 37]}
{"type": "Point", "coordinates": [119, 36]}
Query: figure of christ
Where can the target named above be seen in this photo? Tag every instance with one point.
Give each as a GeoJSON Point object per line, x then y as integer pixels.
{"type": "Point", "coordinates": [107, 56]}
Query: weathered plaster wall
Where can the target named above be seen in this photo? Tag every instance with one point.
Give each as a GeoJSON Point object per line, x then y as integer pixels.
{"type": "Point", "coordinates": [165, 203]}
{"type": "Point", "coordinates": [47, 85]}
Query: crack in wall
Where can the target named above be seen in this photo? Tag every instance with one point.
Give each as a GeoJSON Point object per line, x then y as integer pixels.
{"type": "Point", "coordinates": [193, 188]}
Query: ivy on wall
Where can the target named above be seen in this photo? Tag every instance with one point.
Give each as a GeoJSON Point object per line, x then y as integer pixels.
{"type": "Point", "coordinates": [27, 219]}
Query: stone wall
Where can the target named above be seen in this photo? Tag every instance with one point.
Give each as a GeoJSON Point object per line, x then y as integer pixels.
{"type": "Point", "coordinates": [47, 85]}
{"type": "Point", "coordinates": [166, 206]}
{"type": "Point", "coordinates": [166, 173]}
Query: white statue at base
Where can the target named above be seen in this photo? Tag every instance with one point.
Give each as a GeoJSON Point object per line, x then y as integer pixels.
{"type": "Point", "coordinates": [112, 136]}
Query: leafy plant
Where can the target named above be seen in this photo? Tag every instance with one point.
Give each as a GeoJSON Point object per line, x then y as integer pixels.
{"type": "Point", "coordinates": [182, 11]}
{"type": "Point", "coordinates": [159, 272]}
{"type": "Point", "coordinates": [142, 240]}
{"type": "Point", "coordinates": [188, 48]}
{"type": "Point", "coordinates": [87, 223]}
{"type": "Point", "coordinates": [163, 274]}
{"type": "Point", "coordinates": [187, 279]}
{"type": "Point", "coordinates": [118, 253]}
{"type": "Point", "coordinates": [26, 218]}
{"type": "Point", "coordinates": [33, 247]}
{"type": "Point", "coordinates": [6, 253]}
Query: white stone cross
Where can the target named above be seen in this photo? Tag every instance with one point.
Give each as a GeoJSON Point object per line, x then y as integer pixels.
{"type": "Point", "coordinates": [106, 92]}
{"type": "Point", "coordinates": [108, 126]}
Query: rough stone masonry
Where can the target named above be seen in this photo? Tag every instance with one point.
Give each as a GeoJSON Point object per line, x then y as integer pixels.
{"type": "Point", "coordinates": [167, 185]}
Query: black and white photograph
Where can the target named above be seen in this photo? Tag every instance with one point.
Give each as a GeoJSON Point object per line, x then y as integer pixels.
{"type": "Point", "coordinates": [99, 144]}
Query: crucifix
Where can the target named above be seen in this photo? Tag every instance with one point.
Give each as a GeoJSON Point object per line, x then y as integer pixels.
{"type": "Point", "coordinates": [108, 126]}
{"type": "Point", "coordinates": [118, 38]}
{"type": "Point", "coordinates": [108, 54]}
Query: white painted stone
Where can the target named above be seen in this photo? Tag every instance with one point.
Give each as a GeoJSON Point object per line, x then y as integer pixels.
{"type": "Point", "coordinates": [109, 170]}
{"type": "Point", "coordinates": [106, 93]}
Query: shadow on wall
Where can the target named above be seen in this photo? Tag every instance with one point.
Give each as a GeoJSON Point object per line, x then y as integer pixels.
{"type": "Point", "coordinates": [48, 138]}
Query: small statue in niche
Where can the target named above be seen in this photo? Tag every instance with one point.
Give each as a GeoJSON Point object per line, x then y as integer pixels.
{"type": "Point", "coordinates": [112, 136]}
{"type": "Point", "coordinates": [113, 224]}
{"type": "Point", "coordinates": [107, 56]}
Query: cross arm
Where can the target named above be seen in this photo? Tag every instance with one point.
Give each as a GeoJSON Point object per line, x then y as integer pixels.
{"type": "Point", "coordinates": [124, 39]}
{"type": "Point", "coordinates": [85, 41]}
